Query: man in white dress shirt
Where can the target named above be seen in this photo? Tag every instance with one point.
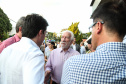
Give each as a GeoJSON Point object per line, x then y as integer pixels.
{"type": "Point", "coordinates": [82, 48]}
{"type": "Point", "coordinates": [23, 62]}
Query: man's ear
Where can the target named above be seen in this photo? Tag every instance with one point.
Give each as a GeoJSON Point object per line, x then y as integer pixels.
{"type": "Point", "coordinates": [40, 32]}
{"type": "Point", "coordinates": [20, 29]}
{"type": "Point", "coordinates": [99, 27]}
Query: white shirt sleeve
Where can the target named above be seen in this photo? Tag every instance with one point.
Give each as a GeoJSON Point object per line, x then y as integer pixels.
{"type": "Point", "coordinates": [33, 71]}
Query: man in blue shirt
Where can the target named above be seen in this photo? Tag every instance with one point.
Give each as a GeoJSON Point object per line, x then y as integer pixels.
{"type": "Point", "coordinates": [108, 63]}
{"type": "Point", "coordinates": [82, 48]}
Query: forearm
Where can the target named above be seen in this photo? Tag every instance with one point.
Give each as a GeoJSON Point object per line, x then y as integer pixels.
{"type": "Point", "coordinates": [47, 75]}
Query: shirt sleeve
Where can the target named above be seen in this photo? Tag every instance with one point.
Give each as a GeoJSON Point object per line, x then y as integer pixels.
{"type": "Point", "coordinates": [33, 71]}
{"type": "Point", "coordinates": [6, 43]}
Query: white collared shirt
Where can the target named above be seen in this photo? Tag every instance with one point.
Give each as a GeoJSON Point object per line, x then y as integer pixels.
{"type": "Point", "coordinates": [82, 50]}
{"type": "Point", "coordinates": [74, 47]}
{"type": "Point", "coordinates": [22, 63]}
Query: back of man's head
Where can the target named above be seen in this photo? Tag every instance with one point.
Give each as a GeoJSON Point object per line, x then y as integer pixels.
{"type": "Point", "coordinates": [20, 23]}
{"type": "Point", "coordinates": [33, 24]}
{"type": "Point", "coordinates": [113, 14]}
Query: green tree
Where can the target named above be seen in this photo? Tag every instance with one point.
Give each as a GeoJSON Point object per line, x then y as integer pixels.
{"type": "Point", "coordinates": [54, 35]}
{"type": "Point", "coordinates": [5, 25]}
{"type": "Point", "coordinates": [64, 29]}
{"type": "Point", "coordinates": [49, 35]}
{"type": "Point", "coordinates": [58, 38]}
{"type": "Point", "coordinates": [86, 35]}
{"type": "Point", "coordinates": [77, 33]}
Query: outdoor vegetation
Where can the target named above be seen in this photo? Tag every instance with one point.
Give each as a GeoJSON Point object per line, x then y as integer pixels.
{"type": "Point", "coordinates": [5, 25]}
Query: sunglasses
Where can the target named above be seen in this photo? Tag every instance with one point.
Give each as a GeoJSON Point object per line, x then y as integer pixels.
{"type": "Point", "coordinates": [95, 24]}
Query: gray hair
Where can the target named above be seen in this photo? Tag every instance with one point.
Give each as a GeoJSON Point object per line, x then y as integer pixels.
{"type": "Point", "coordinates": [20, 23]}
{"type": "Point", "coordinates": [71, 33]}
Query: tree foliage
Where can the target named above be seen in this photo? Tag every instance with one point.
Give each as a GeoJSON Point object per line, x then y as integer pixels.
{"type": "Point", "coordinates": [49, 35]}
{"type": "Point", "coordinates": [86, 35]}
{"type": "Point", "coordinates": [64, 29]}
{"type": "Point", "coordinates": [52, 36]}
{"type": "Point", "coordinates": [5, 25]}
{"type": "Point", "coordinates": [77, 33]}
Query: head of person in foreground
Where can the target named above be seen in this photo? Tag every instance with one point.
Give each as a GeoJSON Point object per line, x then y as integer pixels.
{"type": "Point", "coordinates": [35, 28]}
{"type": "Point", "coordinates": [108, 23]}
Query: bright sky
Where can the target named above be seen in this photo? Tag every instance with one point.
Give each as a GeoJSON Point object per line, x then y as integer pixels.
{"type": "Point", "coordinates": [59, 13]}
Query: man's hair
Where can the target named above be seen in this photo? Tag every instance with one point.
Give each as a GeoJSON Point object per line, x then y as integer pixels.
{"type": "Point", "coordinates": [53, 43]}
{"type": "Point", "coordinates": [33, 24]}
{"type": "Point", "coordinates": [82, 43]}
{"type": "Point", "coordinates": [20, 23]}
{"type": "Point", "coordinates": [113, 14]}
{"type": "Point", "coordinates": [72, 35]}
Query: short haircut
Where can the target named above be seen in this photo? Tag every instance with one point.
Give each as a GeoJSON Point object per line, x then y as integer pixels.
{"type": "Point", "coordinates": [20, 23]}
{"type": "Point", "coordinates": [82, 43]}
{"type": "Point", "coordinates": [72, 35]}
{"type": "Point", "coordinates": [53, 43]}
{"type": "Point", "coordinates": [33, 24]}
{"type": "Point", "coordinates": [113, 14]}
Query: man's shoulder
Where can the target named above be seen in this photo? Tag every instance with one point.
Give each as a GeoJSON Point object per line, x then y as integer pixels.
{"type": "Point", "coordinates": [8, 40]}
{"type": "Point", "coordinates": [82, 47]}
{"type": "Point", "coordinates": [9, 48]}
{"type": "Point", "coordinates": [73, 51]}
{"type": "Point", "coordinates": [57, 50]}
{"type": "Point", "coordinates": [84, 57]}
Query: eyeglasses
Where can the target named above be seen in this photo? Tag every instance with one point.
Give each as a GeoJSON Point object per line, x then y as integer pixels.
{"type": "Point", "coordinates": [95, 24]}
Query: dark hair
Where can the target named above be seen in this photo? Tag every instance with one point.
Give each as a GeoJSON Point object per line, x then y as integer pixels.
{"type": "Point", "coordinates": [113, 14]}
{"type": "Point", "coordinates": [53, 44]}
{"type": "Point", "coordinates": [20, 23]}
{"type": "Point", "coordinates": [89, 41]}
{"type": "Point", "coordinates": [33, 24]}
{"type": "Point", "coordinates": [82, 43]}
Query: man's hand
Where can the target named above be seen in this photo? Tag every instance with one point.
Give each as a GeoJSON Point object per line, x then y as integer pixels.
{"type": "Point", "coordinates": [47, 75]}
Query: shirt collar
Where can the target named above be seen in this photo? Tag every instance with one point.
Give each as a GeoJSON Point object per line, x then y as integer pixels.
{"type": "Point", "coordinates": [112, 46]}
{"type": "Point", "coordinates": [61, 50]}
{"type": "Point", "coordinates": [29, 41]}
{"type": "Point", "coordinates": [17, 38]}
